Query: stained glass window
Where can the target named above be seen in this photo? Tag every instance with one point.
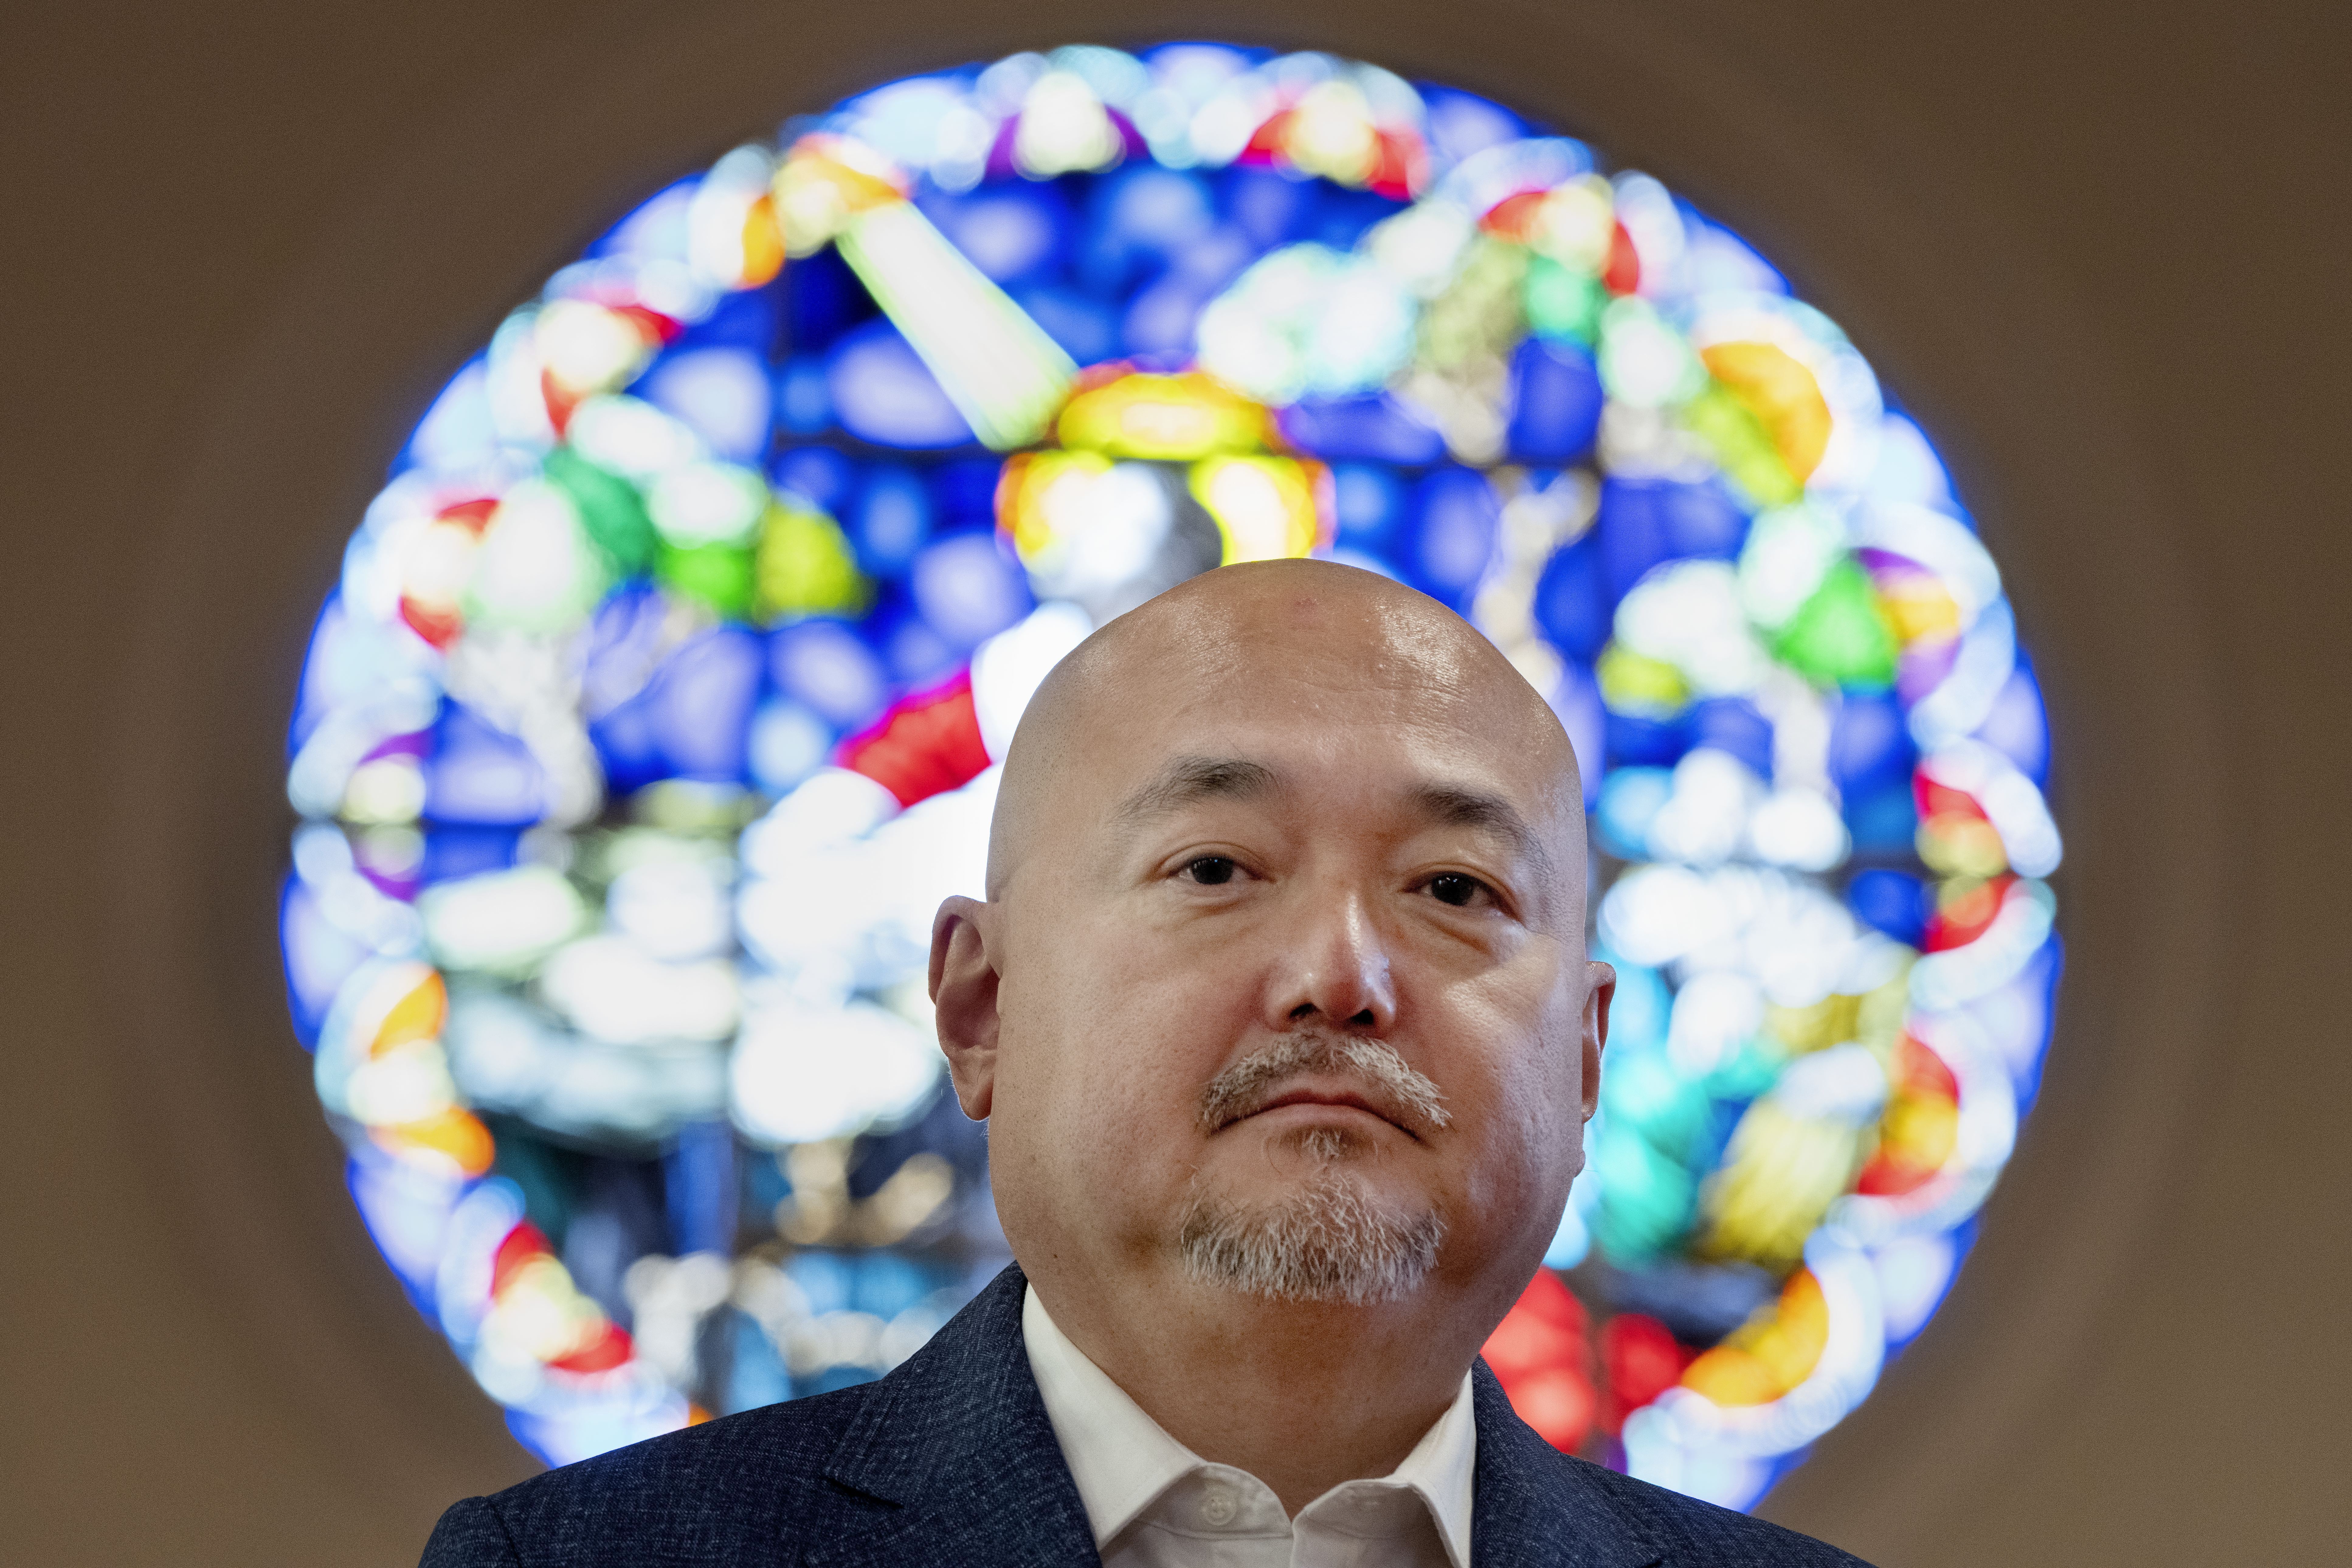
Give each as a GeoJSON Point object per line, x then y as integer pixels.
{"type": "Point", "coordinates": [660, 701]}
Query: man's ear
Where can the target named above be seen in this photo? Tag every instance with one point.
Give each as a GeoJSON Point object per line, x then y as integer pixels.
{"type": "Point", "coordinates": [963, 996]}
{"type": "Point", "coordinates": [1601, 989]}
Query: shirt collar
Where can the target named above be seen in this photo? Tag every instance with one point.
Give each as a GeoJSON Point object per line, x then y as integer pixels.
{"type": "Point", "coordinates": [1121, 1459]}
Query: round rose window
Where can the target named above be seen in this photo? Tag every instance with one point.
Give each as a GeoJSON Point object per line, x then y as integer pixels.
{"type": "Point", "coordinates": [660, 700]}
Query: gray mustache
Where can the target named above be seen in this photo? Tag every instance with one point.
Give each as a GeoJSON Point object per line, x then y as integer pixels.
{"type": "Point", "coordinates": [1387, 1080]}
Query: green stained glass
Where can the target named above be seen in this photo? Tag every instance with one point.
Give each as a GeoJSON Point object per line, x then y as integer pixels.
{"type": "Point", "coordinates": [610, 508]}
{"type": "Point", "coordinates": [1563, 303]}
{"type": "Point", "coordinates": [717, 575]}
{"type": "Point", "coordinates": [1647, 1198]}
{"type": "Point", "coordinates": [1840, 637]}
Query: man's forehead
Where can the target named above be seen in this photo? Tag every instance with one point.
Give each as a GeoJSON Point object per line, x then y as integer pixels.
{"type": "Point", "coordinates": [1290, 666]}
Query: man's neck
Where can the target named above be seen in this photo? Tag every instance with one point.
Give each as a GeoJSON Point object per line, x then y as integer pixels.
{"type": "Point", "coordinates": [1304, 1396]}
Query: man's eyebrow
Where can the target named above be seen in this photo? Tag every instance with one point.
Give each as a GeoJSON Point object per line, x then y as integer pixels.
{"type": "Point", "coordinates": [1189, 779]}
{"type": "Point", "coordinates": [1458, 808]}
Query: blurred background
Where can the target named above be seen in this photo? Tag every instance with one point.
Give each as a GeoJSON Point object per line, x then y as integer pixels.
{"type": "Point", "coordinates": [576, 1034]}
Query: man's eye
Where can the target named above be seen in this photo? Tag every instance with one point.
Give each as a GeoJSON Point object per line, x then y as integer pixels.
{"type": "Point", "coordinates": [1453, 887]}
{"type": "Point", "coordinates": [1210, 870]}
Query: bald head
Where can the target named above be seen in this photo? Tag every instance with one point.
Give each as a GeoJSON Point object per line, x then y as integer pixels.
{"type": "Point", "coordinates": [1278, 1003]}
{"type": "Point", "coordinates": [1303, 644]}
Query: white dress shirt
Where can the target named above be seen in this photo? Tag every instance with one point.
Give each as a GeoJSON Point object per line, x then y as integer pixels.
{"type": "Point", "coordinates": [1154, 1503]}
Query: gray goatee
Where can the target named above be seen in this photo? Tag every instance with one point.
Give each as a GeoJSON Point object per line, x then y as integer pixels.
{"type": "Point", "coordinates": [1328, 1241]}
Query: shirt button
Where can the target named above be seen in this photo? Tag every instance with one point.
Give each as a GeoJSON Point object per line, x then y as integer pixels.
{"type": "Point", "coordinates": [1218, 1506]}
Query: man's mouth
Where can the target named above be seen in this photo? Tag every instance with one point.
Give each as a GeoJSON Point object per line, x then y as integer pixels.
{"type": "Point", "coordinates": [1341, 1098]}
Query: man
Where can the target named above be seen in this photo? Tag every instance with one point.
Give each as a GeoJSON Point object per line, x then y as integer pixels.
{"type": "Point", "coordinates": [1279, 1013]}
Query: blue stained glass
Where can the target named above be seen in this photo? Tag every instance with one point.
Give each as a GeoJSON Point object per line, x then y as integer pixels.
{"type": "Point", "coordinates": [1572, 600]}
{"type": "Point", "coordinates": [480, 775]}
{"type": "Point", "coordinates": [1149, 210]}
{"type": "Point", "coordinates": [628, 745]}
{"type": "Point", "coordinates": [1158, 325]}
{"type": "Point", "coordinates": [1343, 217]}
{"type": "Point", "coordinates": [1087, 331]}
{"type": "Point", "coordinates": [1557, 402]}
{"type": "Point", "coordinates": [970, 588]}
{"type": "Point", "coordinates": [1361, 429]}
{"type": "Point", "coordinates": [454, 852]}
{"type": "Point", "coordinates": [1013, 235]}
{"type": "Point", "coordinates": [883, 392]}
{"type": "Point", "coordinates": [913, 648]}
{"type": "Point", "coordinates": [1455, 523]}
{"type": "Point", "coordinates": [1883, 820]}
{"type": "Point", "coordinates": [1894, 901]}
{"type": "Point", "coordinates": [803, 397]}
{"type": "Point", "coordinates": [1870, 745]}
{"type": "Point", "coordinates": [1644, 522]}
{"type": "Point", "coordinates": [892, 520]}
{"type": "Point", "coordinates": [723, 393]}
{"type": "Point", "coordinates": [755, 1372]}
{"type": "Point", "coordinates": [1733, 726]}
{"type": "Point", "coordinates": [1461, 124]}
{"type": "Point", "coordinates": [319, 956]}
{"type": "Point", "coordinates": [713, 582]}
{"type": "Point", "coordinates": [2017, 727]}
{"type": "Point", "coordinates": [1269, 208]}
{"type": "Point", "coordinates": [1369, 501]}
{"type": "Point", "coordinates": [830, 668]}
{"type": "Point", "coordinates": [699, 1185]}
{"type": "Point", "coordinates": [964, 493]}
{"type": "Point", "coordinates": [747, 319]}
{"type": "Point", "coordinates": [703, 702]}
{"type": "Point", "coordinates": [1629, 802]}
{"type": "Point", "coordinates": [823, 300]}
{"type": "Point", "coordinates": [818, 475]}
{"type": "Point", "coordinates": [1575, 698]}
{"type": "Point", "coordinates": [788, 742]}
{"type": "Point", "coordinates": [1636, 742]}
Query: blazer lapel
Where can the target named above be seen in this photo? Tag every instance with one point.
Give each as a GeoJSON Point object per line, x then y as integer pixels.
{"type": "Point", "coordinates": [1533, 1504]}
{"type": "Point", "coordinates": [953, 1460]}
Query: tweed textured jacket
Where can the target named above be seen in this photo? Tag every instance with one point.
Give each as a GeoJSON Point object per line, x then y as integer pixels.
{"type": "Point", "coordinates": [950, 1460]}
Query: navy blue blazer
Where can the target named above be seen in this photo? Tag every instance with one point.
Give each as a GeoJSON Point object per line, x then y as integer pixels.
{"type": "Point", "coordinates": [950, 1460]}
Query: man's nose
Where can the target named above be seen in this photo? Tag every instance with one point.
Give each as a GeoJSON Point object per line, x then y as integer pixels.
{"type": "Point", "coordinates": [1332, 963]}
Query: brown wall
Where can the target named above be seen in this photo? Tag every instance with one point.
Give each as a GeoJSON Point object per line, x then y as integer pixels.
{"type": "Point", "coordinates": [2100, 250]}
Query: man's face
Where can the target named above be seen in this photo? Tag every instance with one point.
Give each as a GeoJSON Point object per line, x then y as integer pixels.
{"type": "Point", "coordinates": [1300, 935]}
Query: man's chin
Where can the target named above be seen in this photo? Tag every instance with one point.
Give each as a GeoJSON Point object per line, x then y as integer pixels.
{"type": "Point", "coordinates": [1327, 1234]}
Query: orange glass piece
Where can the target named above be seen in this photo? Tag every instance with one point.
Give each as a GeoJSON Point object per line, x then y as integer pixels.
{"type": "Point", "coordinates": [763, 244]}
{"type": "Point", "coordinates": [418, 1015]}
{"type": "Point", "coordinates": [1782, 393]}
{"type": "Point", "coordinates": [1771, 1352]}
{"type": "Point", "coordinates": [452, 1135]}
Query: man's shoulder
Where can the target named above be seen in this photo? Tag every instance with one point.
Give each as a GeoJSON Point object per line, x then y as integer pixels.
{"type": "Point", "coordinates": [724, 1491]}
{"type": "Point", "coordinates": [1685, 1530]}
